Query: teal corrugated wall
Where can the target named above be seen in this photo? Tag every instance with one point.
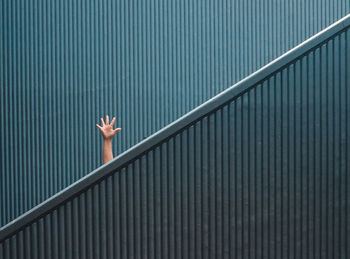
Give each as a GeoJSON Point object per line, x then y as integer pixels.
{"type": "Point", "coordinates": [262, 172]}
{"type": "Point", "coordinates": [66, 63]}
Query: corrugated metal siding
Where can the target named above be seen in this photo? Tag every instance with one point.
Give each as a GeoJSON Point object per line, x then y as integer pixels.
{"type": "Point", "coordinates": [64, 64]}
{"type": "Point", "coordinates": [263, 176]}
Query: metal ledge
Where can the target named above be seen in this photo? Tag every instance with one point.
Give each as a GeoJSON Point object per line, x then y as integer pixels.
{"type": "Point", "coordinates": [186, 120]}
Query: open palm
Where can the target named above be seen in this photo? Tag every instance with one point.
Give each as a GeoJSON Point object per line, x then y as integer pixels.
{"type": "Point", "coordinates": [107, 128]}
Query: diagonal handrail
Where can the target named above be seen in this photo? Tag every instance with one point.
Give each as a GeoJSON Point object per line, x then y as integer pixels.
{"type": "Point", "coordinates": [174, 127]}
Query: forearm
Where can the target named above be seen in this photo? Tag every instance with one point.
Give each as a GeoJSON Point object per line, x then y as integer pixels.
{"type": "Point", "coordinates": [107, 150]}
{"type": "Point", "coordinates": [108, 133]}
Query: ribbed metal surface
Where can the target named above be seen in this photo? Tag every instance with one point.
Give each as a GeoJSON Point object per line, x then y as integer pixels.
{"type": "Point", "coordinates": [263, 176]}
{"type": "Point", "coordinates": [64, 64]}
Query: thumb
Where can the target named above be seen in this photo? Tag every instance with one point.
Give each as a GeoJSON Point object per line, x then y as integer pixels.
{"type": "Point", "coordinates": [117, 129]}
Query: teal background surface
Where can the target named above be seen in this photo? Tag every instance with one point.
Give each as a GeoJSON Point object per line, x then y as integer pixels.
{"type": "Point", "coordinates": [64, 64]}
{"type": "Point", "coordinates": [259, 171]}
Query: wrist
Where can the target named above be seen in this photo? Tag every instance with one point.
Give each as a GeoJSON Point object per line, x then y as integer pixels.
{"type": "Point", "coordinates": [107, 141]}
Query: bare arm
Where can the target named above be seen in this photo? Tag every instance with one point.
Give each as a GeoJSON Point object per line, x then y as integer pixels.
{"type": "Point", "coordinates": [108, 133]}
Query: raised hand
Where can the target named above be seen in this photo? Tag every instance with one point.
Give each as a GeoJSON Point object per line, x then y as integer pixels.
{"type": "Point", "coordinates": [108, 133]}
{"type": "Point", "coordinates": [107, 128]}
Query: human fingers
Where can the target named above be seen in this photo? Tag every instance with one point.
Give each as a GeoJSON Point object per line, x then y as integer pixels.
{"type": "Point", "coordinates": [112, 122]}
{"type": "Point", "coordinates": [98, 126]}
{"type": "Point", "coordinates": [117, 129]}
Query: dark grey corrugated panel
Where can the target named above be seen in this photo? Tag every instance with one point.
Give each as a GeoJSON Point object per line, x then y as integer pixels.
{"type": "Point", "coordinates": [264, 175]}
{"type": "Point", "coordinates": [64, 64]}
